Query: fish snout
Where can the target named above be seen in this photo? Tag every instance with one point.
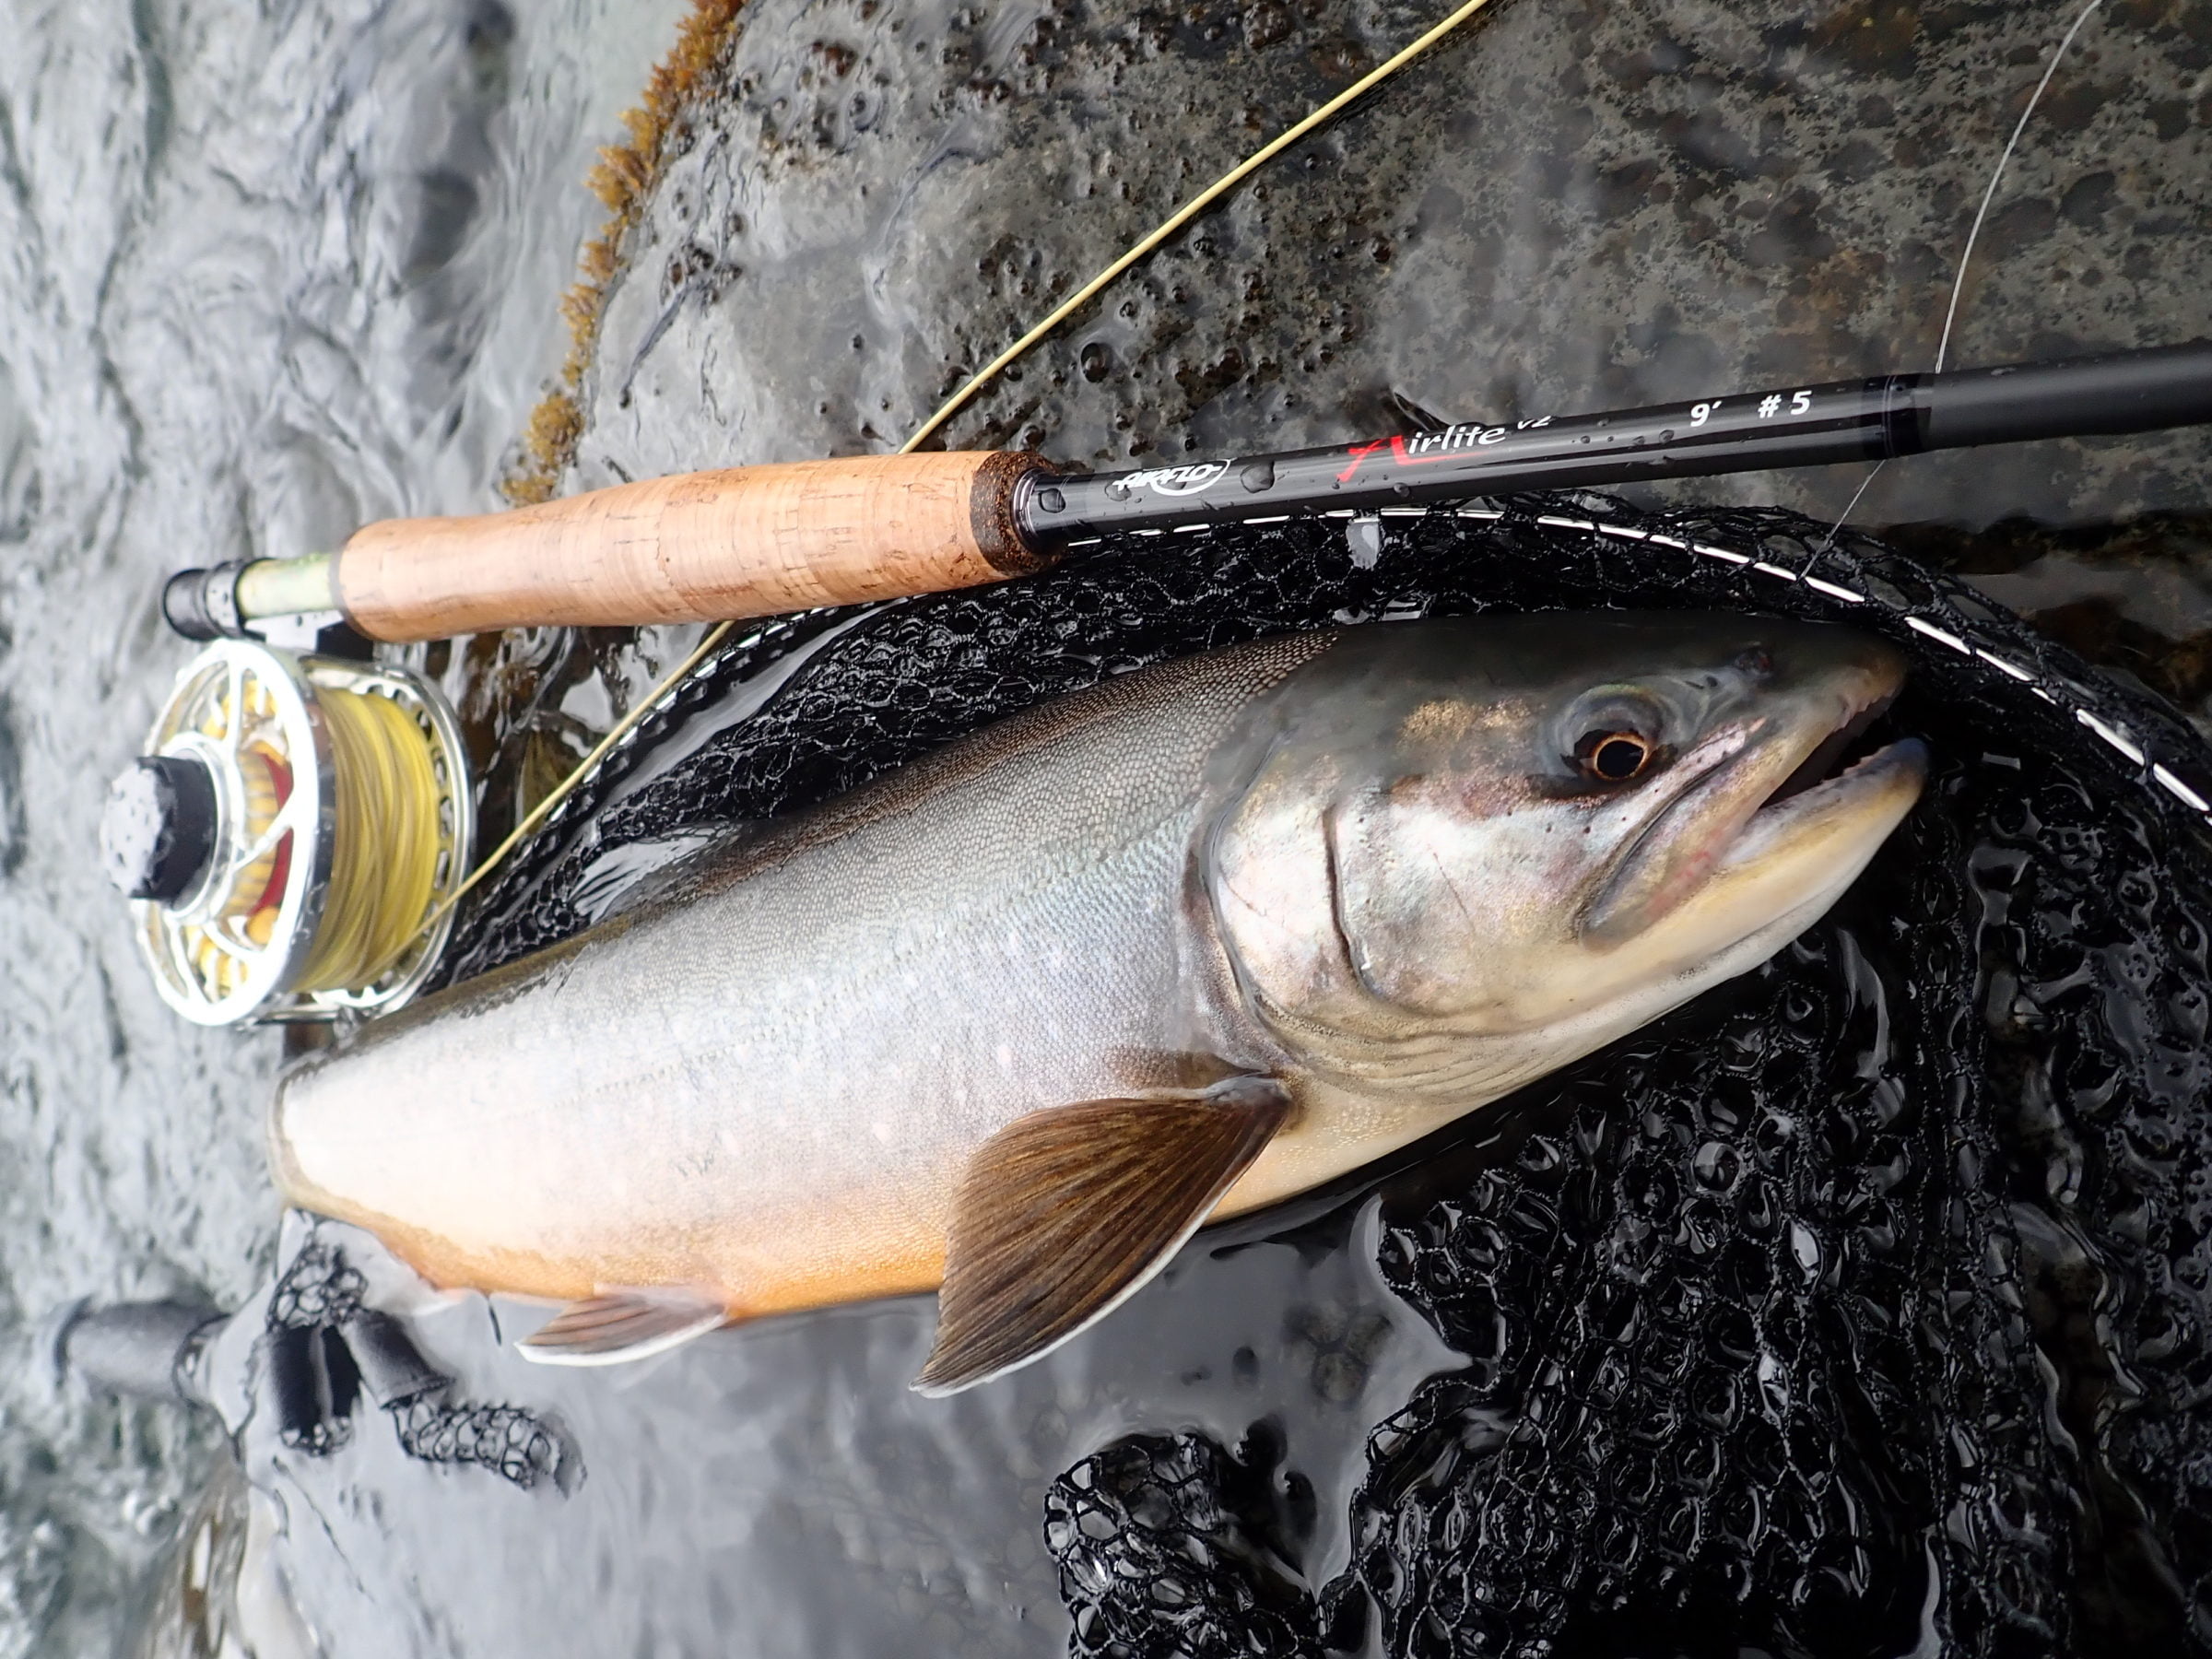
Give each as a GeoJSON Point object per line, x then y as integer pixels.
{"type": "Point", "coordinates": [1811, 734]}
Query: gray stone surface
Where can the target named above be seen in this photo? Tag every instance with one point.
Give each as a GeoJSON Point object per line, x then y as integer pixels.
{"type": "Point", "coordinates": [1569, 205]}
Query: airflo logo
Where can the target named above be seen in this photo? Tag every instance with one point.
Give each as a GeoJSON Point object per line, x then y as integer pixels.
{"type": "Point", "coordinates": [1178, 480]}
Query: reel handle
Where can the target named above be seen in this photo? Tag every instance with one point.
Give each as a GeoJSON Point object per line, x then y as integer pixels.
{"type": "Point", "coordinates": [751, 541]}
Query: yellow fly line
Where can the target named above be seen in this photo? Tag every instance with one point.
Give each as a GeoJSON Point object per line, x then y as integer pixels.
{"type": "Point", "coordinates": [383, 863]}
{"type": "Point", "coordinates": [953, 405]}
{"type": "Point", "coordinates": [1189, 211]}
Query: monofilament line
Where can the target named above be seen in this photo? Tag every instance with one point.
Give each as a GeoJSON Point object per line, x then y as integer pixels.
{"type": "Point", "coordinates": [1966, 254]}
{"type": "Point", "coordinates": [1996, 178]}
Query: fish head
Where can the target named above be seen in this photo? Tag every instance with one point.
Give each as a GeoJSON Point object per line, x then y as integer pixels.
{"type": "Point", "coordinates": [1545, 828]}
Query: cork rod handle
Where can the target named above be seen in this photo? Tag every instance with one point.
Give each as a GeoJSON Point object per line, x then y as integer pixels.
{"type": "Point", "coordinates": [751, 541]}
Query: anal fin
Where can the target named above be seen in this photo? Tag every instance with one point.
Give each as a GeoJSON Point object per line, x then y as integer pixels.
{"type": "Point", "coordinates": [1065, 1213]}
{"type": "Point", "coordinates": [617, 1326]}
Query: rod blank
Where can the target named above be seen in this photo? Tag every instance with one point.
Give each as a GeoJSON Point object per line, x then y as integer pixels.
{"type": "Point", "coordinates": [2124, 391]}
{"type": "Point", "coordinates": [763, 540]}
{"type": "Point", "coordinates": [1871, 419]}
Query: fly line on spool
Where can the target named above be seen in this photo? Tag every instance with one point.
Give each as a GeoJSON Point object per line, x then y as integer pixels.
{"type": "Point", "coordinates": [385, 848]}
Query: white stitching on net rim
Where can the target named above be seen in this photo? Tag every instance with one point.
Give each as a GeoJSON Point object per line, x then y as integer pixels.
{"type": "Point", "coordinates": [2112, 736]}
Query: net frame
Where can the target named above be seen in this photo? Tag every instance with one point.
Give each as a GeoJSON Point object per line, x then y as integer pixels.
{"type": "Point", "coordinates": [1985, 1418]}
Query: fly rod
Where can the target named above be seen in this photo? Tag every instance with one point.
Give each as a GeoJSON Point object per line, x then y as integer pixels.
{"type": "Point", "coordinates": [764, 540]}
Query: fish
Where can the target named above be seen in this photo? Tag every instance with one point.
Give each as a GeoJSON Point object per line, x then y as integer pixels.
{"type": "Point", "coordinates": [1014, 1021]}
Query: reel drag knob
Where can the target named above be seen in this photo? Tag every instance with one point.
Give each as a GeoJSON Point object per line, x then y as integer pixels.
{"type": "Point", "coordinates": [157, 832]}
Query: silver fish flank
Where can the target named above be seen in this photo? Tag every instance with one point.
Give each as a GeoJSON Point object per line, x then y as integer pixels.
{"type": "Point", "coordinates": [1016, 1020]}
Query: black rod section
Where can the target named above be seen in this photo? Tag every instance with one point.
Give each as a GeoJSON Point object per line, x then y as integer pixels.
{"type": "Point", "coordinates": [1870, 420]}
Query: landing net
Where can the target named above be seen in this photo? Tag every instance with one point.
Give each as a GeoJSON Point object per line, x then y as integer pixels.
{"type": "Point", "coordinates": [1860, 1304]}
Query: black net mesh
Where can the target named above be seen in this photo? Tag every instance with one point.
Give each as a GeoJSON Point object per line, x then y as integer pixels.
{"type": "Point", "coordinates": [1167, 1544]}
{"type": "Point", "coordinates": [506, 1440]}
{"type": "Point", "coordinates": [309, 1377]}
{"type": "Point", "coordinates": [1858, 1307]}
{"type": "Point", "coordinates": [320, 1290]}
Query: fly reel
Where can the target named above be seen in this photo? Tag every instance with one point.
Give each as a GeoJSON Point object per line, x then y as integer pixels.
{"type": "Point", "coordinates": [291, 832]}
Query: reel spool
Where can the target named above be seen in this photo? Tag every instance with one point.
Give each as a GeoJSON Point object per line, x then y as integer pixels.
{"type": "Point", "coordinates": [294, 822]}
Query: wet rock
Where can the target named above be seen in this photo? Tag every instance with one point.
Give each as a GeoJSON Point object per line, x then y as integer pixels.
{"type": "Point", "coordinates": [1565, 207]}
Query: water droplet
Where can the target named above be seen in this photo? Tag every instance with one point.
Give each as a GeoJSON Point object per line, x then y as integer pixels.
{"type": "Point", "coordinates": [1806, 1248]}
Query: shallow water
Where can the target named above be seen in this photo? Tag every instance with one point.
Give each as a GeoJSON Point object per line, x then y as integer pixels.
{"type": "Point", "coordinates": [264, 271]}
{"type": "Point", "coordinates": [272, 271]}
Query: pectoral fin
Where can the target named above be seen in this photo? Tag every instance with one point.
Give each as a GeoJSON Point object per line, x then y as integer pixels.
{"type": "Point", "coordinates": [621, 1326]}
{"type": "Point", "coordinates": [1065, 1213]}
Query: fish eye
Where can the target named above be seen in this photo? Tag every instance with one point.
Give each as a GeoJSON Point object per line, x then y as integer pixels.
{"type": "Point", "coordinates": [1613, 757]}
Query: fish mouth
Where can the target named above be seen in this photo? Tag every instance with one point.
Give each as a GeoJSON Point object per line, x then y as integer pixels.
{"type": "Point", "coordinates": [1841, 752]}
{"type": "Point", "coordinates": [1785, 821]}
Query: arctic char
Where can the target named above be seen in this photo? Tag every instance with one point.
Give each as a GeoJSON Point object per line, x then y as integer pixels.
{"type": "Point", "coordinates": [1018, 1019]}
